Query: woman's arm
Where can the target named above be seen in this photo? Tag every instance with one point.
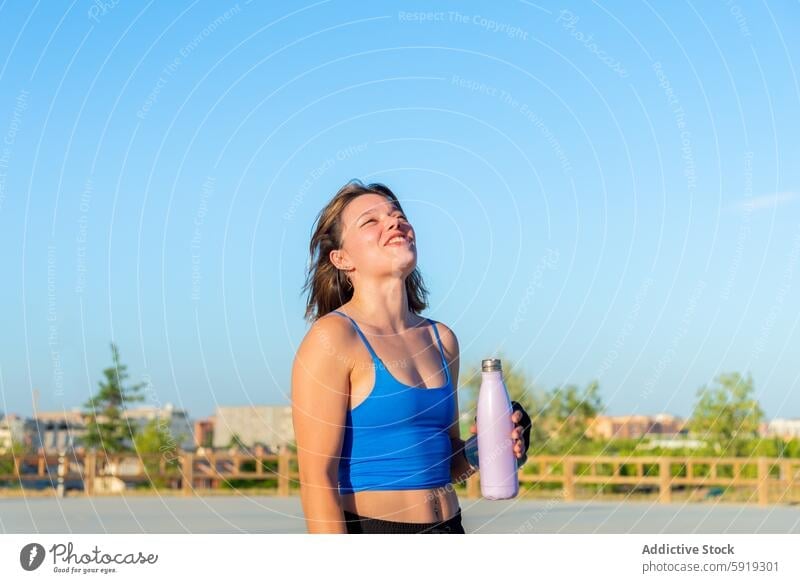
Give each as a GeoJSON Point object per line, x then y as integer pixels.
{"type": "Point", "coordinates": [460, 469]}
{"type": "Point", "coordinates": [320, 394]}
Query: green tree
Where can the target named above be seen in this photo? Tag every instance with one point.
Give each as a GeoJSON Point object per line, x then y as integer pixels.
{"type": "Point", "coordinates": [156, 438]}
{"type": "Point", "coordinates": [727, 414]}
{"type": "Point", "coordinates": [565, 413]}
{"type": "Point", "coordinates": [7, 455]}
{"type": "Point", "coordinates": [520, 388]}
{"type": "Point", "coordinates": [106, 428]}
{"type": "Point", "coordinates": [559, 418]}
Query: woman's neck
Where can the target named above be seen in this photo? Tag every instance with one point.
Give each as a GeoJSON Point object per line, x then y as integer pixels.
{"type": "Point", "coordinates": [383, 305]}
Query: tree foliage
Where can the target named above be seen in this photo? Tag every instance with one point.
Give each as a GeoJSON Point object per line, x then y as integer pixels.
{"type": "Point", "coordinates": [727, 414]}
{"type": "Point", "coordinates": [559, 417]}
{"type": "Point", "coordinates": [107, 429]}
{"type": "Point", "coordinates": [156, 437]}
{"type": "Point", "coordinates": [566, 413]}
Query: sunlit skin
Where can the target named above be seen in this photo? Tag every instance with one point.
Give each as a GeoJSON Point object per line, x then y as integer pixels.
{"type": "Point", "coordinates": [378, 270]}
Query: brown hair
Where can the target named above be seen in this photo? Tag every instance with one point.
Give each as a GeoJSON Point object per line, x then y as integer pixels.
{"type": "Point", "coordinates": [327, 288]}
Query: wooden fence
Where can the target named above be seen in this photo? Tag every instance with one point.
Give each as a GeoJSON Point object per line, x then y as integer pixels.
{"type": "Point", "coordinates": [770, 480]}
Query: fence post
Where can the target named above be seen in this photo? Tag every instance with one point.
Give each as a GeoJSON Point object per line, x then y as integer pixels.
{"type": "Point", "coordinates": [187, 473]}
{"type": "Point", "coordinates": [89, 472]}
{"type": "Point", "coordinates": [665, 481]}
{"type": "Point", "coordinates": [569, 479]}
{"type": "Point", "coordinates": [763, 484]}
{"type": "Point", "coordinates": [283, 471]}
{"type": "Point", "coordinates": [62, 472]}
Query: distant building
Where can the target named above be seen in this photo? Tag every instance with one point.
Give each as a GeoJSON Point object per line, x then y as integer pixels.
{"type": "Point", "coordinates": [174, 423]}
{"type": "Point", "coordinates": [784, 428]}
{"type": "Point", "coordinates": [635, 426]}
{"type": "Point", "coordinates": [269, 426]}
{"type": "Point", "coordinates": [204, 432]}
{"type": "Point", "coordinates": [679, 442]}
{"type": "Point", "coordinates": [15, 430]}
{"type": "Point", "coordinates": [55, 431]}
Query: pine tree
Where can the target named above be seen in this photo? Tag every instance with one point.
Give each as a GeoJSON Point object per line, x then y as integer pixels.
{"type": "Point", "coordinates": [107, 429]}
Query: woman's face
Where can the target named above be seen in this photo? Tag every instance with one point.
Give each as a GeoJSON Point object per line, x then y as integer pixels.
{"type": "Point", "coordinates": [377, 239]}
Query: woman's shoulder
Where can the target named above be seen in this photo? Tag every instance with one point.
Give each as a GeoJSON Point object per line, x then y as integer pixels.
{"type": "Point", "coordinates": [441, 326]}
{"type": "Point", "coordinates": [448, 337]}
{"type": "Point", "coordinates": [334, 322]}
{"type": "Point", "coordinates": [328, 332]}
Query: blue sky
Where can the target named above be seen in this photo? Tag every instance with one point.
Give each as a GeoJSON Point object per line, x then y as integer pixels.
{"type": "Point", "coordinates": [599, 190]}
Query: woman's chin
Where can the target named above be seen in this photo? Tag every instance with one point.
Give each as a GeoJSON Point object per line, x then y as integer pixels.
{"type": "Point", "coordinates": [403, 256]}
{"type": "Point", "coordinates": [404, 269]}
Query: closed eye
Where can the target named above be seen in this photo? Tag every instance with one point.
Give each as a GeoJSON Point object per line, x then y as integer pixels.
{"type": "Point", "coordinates": [368, 221]}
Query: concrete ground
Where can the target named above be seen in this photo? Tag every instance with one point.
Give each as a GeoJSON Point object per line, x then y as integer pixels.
{"type": "Point", "coordinates": [270, 514]}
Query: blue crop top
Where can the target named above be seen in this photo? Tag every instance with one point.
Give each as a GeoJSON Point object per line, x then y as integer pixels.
{"type": "Point", "coordinates": [398, 437]}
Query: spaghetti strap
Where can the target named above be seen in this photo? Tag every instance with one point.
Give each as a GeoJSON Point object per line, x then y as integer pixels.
{"type": "Point", "coordinates": [441, 350]}
{"type": "Point", "coordinates": [364, 338]}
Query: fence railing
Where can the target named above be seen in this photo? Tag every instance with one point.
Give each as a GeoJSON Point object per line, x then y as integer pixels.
{"type": "Point", "coordinates": [771, 480]}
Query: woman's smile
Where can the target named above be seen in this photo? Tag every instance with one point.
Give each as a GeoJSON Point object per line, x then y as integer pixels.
{"type": "Point", "coordinates": [398, 240]}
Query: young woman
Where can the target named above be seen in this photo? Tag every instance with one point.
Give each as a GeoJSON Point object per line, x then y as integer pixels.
{"type": "Point", "coordinates": [374, 401]}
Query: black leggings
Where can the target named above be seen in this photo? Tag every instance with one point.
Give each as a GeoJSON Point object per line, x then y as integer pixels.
{"type": "Point", "coordinates": [357, 524]}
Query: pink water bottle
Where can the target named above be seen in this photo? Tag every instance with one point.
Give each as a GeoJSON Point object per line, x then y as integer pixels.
{"type": "Point", "coordinates": [498, 465]}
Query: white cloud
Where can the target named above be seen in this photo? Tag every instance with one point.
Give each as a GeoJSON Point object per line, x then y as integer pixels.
{"type": "Point", "coordinates": [767, 201]}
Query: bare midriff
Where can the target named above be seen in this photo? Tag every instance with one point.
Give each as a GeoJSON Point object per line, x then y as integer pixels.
{"type": "Point", "coordinates": [419, 506]}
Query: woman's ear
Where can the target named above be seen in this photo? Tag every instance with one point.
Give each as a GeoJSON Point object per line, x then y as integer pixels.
{"type": "Point", "coordinates": [337, 260]}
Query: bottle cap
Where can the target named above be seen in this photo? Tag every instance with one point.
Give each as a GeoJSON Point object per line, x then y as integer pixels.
{"type": "Point", "coordinates": [491, 365]}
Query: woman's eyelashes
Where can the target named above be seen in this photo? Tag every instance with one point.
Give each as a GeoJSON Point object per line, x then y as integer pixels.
{"type": "Point", "coordinates": [368, 221]}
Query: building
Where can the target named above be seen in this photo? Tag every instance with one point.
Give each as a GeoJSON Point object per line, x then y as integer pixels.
{"type": "Point", "coordinates": [680, 442]}
{"type": "Point", "coordinates": [50, 432]}
{"type": "Point", "coordinates": [269, 426]}
{"type": "Point", "coordinates": [173, 423]}
{"type": "Point", "coordinates": [14, 430]}
{"type": "Point", "coordinates": [786, 429]}
{"type": "Point", "coordinates": [55, 431]}
{"type": "Point", "coordinates": [204, 432]}
{"type": "Point", "coordinates": [635, 426]}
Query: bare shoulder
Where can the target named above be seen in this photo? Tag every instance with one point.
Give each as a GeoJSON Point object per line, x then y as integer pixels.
{"type": "Point", "coordinates": [449, 340]}
{"type": "Point", "coordinates": [330, 335]}
{"type": "Point", "coordinates": [332, 324]}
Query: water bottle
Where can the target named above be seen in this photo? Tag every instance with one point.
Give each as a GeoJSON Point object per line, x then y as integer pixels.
{"type": "Point", "coordinates": [498, 464]}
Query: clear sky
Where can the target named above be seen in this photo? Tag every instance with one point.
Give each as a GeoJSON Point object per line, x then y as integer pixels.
{"type": "Point", "coordinates": [600, 190]}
